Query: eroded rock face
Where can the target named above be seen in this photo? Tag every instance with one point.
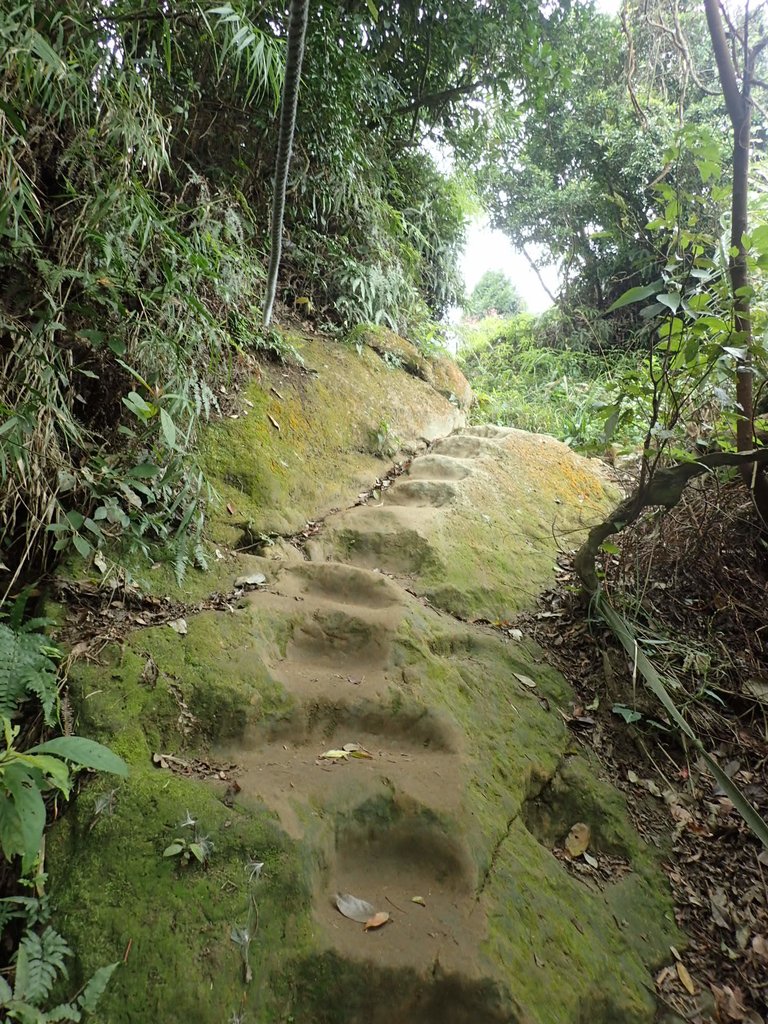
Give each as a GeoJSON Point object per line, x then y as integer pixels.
{"type": "Point", "coordinates": [477, 522]}
{"type": "Point", "coordinates": [307, 439]}
{"type": "Point", "coordinates": [467, 782]}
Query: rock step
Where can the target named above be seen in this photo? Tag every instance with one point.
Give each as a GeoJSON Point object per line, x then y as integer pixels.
{"type": "Point", "coordinates": [397, 825]}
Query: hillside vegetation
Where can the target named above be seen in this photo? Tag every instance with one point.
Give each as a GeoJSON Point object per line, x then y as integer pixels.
{"type": "Point", "coordinates": [159, 443]}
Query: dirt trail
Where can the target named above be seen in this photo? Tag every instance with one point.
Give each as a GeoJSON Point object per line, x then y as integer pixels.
{"type": "Point", "coordinates": [396, 825]}
{"type": "Point", "coordinates": [365, 636]}
{"type": "Point", "coordinates": [339, 668]}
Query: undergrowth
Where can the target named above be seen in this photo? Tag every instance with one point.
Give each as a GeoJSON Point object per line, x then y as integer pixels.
{"type": "Point", "coordinates": [132, 252]}
{"type": "Point", "coordinates": [34, 776]}
{"type": "Point", "coordinates": [570, 392]}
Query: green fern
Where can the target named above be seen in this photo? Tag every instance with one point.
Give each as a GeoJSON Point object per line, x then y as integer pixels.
{"type": "Point", "coordinates": [40, 964]}
{"type": "Point", "coordinates": [27, 668]}
{"type": "Point", "coordinates": [40, 959]}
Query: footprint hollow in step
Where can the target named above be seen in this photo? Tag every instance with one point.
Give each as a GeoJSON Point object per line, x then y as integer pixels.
{"type": "Point", "coordinates": [421, 493]}
{"type": "Point", "coordinates": [438, 467]}
{"type": "Point", "coordinates": [466, 446]}
{"type": "Point", "coordinates": [346, 585]}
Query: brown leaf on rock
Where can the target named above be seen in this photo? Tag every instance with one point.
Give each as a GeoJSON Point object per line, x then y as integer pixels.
{"type": "Point", "coordinates": [577, 840]}
{"type": "Point", "coordinates": [354, 908]}
{"type": "Point", "coordinates": [376, 921]}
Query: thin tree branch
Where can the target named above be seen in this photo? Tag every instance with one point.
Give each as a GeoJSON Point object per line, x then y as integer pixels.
{"type": "Point", "coordinates": [537, 272]}
{"type": "Point", "coordinates": [432, 100]}
{"type": "Point", "coordinates": [665, 488]}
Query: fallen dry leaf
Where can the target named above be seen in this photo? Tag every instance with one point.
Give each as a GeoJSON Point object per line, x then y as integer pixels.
{"type": "Point", "coordinates": [730, 1004]}
{"type": "Point", "coordinates": [577, 840]}
{"type": "Point", "coordinates": [592, 861]}
{"type": "Point", "coordinates": [419, 900]}
{"type": "Point", "coordinates": [354, 908]}
{"type": "Point", "coordinates": [376, 921]}
{"type": "Point", "coordinates": [685, 979]}
{"type": "Point", "coordinates": [355, 750]}
{"type": "Point", "coordinates": [525, 680]}
{"type": "Point", "coordinates": [335, 755]}
{"type": "Point", "coordinates": [179, 626]}
{"type": "Point", "coordinates": [760, 947]}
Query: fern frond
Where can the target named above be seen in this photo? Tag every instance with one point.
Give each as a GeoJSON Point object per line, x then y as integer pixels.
{"type": "Point", "coordinates": [39, 961]}
{"type": "Point", "coordinates": [27, 668]}
{"type": "Point", "coordinates": [64, 1012]}
{"type": "Point", "coordinates": [94, 990]}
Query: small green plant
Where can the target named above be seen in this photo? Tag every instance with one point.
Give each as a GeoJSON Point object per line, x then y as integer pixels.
{"type": "Point", "coordinates": [392, 360]}
{"type": "Point", "coordinates": [384, 442]}
{"type": "Point", "coordinates": [27, 776]}
{"type": "Point", "coordinates": [40, 965]}
{"type": "Point", "coordinates": [197, 847]}
{"type": "Point", "coordinates": [28, 664]}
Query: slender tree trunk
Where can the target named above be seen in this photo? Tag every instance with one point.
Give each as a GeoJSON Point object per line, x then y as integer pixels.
{"type": "Point", "coordinates": [297, 28]}
{"type": "Point", "coordinates": [739, 109]}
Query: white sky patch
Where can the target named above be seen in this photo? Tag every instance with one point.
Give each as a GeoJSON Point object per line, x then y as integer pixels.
{"type": "Point", "coordinates": [487, 249]}
{"type": "Point", "coordinates": [492, 250]}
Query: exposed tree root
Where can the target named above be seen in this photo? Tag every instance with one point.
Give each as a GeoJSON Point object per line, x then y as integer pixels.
{"type": "Point", "coordinates": [665, 488]}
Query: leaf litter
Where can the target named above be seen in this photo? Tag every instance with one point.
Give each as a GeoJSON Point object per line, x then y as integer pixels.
{"type": "Point", "coordinates": [717, 870]}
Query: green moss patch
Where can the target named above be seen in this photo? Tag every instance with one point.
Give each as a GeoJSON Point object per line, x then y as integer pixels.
{"type": "Point", "coordinates": [588, 948]}
{"type": "Point", "coordinates": [164, 692]}
{"type": "Point", "coordinates": [117, 898]}
{"type": "Point", "coordinates": [303, 443]}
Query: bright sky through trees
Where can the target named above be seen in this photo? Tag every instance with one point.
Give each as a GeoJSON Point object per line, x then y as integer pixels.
{"type": "Point", "coordinates": [491, 250]}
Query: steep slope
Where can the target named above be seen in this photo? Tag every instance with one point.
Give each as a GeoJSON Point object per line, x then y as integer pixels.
{"type": "Point", "coordinates": [468, 780]}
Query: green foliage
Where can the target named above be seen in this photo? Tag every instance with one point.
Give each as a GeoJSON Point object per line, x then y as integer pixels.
{"type": "Point", "coordinates": [116, 289]}
{"type": "Point", "coordinates": [577, 181]}
{"type": "Point", "coordinates": [522, 382]}
{"type": "Point", "coordinates": [40, 965]}
{"type": "Point", "coordinates": [26, 776]}
{"type": "Point", "coordinates": [28, 665]}
{"type": "Point", "coordinates": [688, 379]}
{"type": "Point", "coordinates": [494, 293]}
{"type": "Point", "coordinates": [136, 165]}
{"type": "Point", "coordinates": [384, 442]}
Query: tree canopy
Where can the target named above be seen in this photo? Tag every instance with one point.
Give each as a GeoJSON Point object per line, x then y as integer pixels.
{"type": "Point", "coordinates": [494, 293]}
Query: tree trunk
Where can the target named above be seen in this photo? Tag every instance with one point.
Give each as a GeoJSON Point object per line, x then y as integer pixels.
{"type": "Point", "coordinates": [297, 28]}
{"type": "Point", "coordinates": [740, 113]}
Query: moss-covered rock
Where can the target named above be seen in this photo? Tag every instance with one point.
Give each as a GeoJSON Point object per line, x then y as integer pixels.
{"type": "Point", "coordinates": [436, 368]}
{"type": "Point", "coordinates": [482, 542]}
{"type": "Point", "coordinates": [171, 926]}
{"type": "Point", "coordinates": [383, 749]}
{"type": "Point", "coordinates": [306, 439]}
